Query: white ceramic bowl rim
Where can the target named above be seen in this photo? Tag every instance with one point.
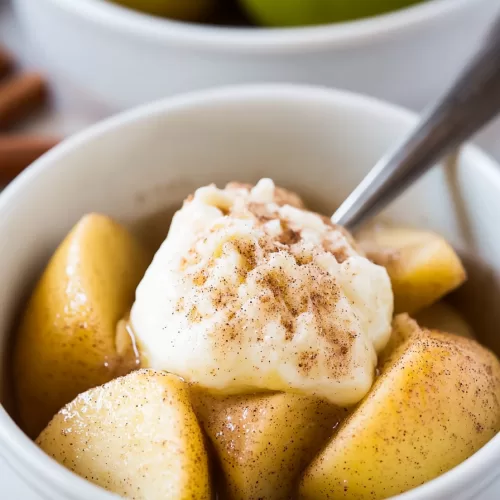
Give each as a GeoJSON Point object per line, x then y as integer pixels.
{"type": "Point", "coordinates": [281, 40]}
{"type": "Point", "coordinates": [40, 466]}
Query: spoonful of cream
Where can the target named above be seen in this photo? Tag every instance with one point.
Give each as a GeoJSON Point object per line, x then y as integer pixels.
{"type": "Point", "coordinates": [471, 103]}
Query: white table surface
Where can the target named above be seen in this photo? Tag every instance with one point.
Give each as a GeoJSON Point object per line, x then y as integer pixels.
{"type": "Point", "coordinates": [73, 114]}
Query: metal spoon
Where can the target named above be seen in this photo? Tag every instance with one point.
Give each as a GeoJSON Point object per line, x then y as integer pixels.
{"type": "Point", "coordinates": [470, 104]}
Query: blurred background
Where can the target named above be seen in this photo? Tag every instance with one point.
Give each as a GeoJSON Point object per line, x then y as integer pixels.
{"type": "Point", "coordinates": [100, 58]}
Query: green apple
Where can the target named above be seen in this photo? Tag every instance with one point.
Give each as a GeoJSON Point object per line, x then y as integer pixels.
{"type": "Point", "coordinates": [305, 12]}
{"type": "Point", "coordinates": [183, 10]}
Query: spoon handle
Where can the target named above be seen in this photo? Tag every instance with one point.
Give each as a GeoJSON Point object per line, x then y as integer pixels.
{"type": "Point", "coordinates": [472, 102]}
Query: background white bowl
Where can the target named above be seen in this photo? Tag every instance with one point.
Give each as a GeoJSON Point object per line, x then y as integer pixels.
{"type": "Point", "coordinates": [316, 141]}
{"type": "Point", "coordinates": [123, 58]}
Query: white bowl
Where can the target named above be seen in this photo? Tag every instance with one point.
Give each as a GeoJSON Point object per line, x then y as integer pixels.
{"type": "Point", "coordinates": [122, 58]}
{"type": "Point", "coordinates": [317, 141]}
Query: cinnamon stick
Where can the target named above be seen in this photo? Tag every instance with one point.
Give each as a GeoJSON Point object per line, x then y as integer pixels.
{"type": "Point", "coordinates": [18, 151]}
{"type": "Point", "coordinates": [6, 63]}
{"type": "Point", "coordinates": [21, 95]}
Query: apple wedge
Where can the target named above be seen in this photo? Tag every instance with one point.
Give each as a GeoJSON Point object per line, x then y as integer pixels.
{"type": "Point", "coordinates": [264, 442]}
{"type": "Point", "coordinates": [422, 266]}
{"type": "Point", "coordinates": [66, 341]}
{"type": "Point", "coordinates": [436, 402]}
{"type": "Point", "coordinates": [136, 436]}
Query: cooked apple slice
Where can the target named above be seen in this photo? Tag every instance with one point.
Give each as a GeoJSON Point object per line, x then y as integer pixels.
{"type": "Point", "coordinates": [436, 402]}
{"type": "Point", "coordinates": [441, 316]}
{"type": "Point", "coordinates": [66, 341]}
{"type": "Point", "coordinates": [422, 266]}
{"type": "Point", "coordinates": [264, 441]}
{"type": "Point", "coordinates": [136, 436]}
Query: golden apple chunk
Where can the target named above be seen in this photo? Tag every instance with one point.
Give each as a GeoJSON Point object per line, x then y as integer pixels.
{"type": "Point", "coordinates": [66, 341]}
{"type": "Point", "coordinates": [422, 266]}
{"type": "Point", "coordinates": [136, 436]}
{"type": "Point", "coordinates": [264, 442]}
{"type": "Point", "coordinates": [436, 402]}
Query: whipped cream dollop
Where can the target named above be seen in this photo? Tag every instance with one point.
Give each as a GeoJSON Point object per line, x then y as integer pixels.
{"type": "Point", "coordinates": [252, 292]}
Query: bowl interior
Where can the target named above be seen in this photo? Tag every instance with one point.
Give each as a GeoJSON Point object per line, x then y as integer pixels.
{"type": "Point", "coordinates": [320, 143]}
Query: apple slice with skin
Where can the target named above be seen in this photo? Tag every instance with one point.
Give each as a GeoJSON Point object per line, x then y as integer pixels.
{"type": "Point", "coordinates": [423, 267]}
{"type": "Point", "coordinates": [436, 402]}
{"type": "Point", "coordinates": [305, 12]}
{"type": "Point", "coordinates": [136, 436]}
{"type": "Point", "coordinates": [66, 341]}
{"type": "Point", "coordinates": [183, 10]}
{"type": "Point", "coordinates": [263, 442]}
